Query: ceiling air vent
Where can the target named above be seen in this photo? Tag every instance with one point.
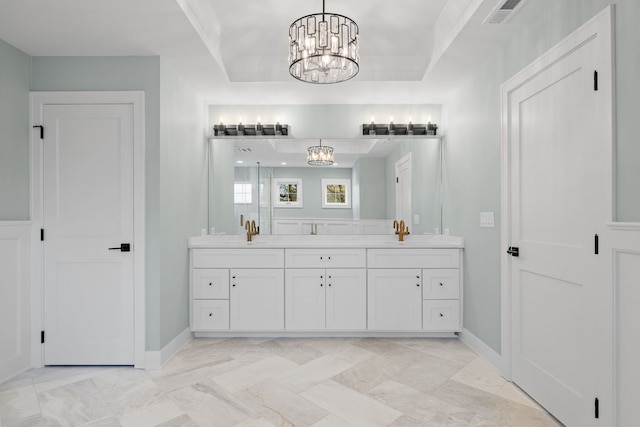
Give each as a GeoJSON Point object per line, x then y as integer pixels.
{"type": "Point", "coordinates": [503, 11]}
{"type": "Point", "coordinates": [244, 149]}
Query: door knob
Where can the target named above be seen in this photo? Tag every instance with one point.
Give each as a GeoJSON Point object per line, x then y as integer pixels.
{"type": "Point", "coordinates": [124, 247]}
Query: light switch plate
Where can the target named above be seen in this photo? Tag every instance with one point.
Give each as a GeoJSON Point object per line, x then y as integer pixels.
{"type": "Point", "coordinates": [416, 219]}
{"type": "Point", "coordinates": [487, 220]}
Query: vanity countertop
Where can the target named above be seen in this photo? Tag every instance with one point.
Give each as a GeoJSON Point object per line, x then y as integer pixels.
{"type": "Point", "coordinates": [325, 241]}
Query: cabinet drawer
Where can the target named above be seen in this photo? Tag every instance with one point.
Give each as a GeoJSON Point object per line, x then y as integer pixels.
{"type": "Point", "coordinates": [441, 315]}
{"type": "Point", "coordinates": [210, 314]}
{"type": "Point", "coordinates": [441, 283]}
{"type": "Point", "coordinates": [413, 258]}
{"type": "Point", "coordinates": [238, 258]}
{"type": "Point", "coordinates": [325, 258]}
{"type": "Point", "coordinates": [211, 283]}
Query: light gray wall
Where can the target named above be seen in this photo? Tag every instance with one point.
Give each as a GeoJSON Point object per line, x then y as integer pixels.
{"type": "Point", "coordinates": [369, 188]}
{"type": "Point", "coordinates": [312, 192]}
{"type": "Point", "coordinates": [183, 196]}
{"type": "Point", "coordinates": [472, 149]}
{"type": "Point", "coordinates": [15, 74]}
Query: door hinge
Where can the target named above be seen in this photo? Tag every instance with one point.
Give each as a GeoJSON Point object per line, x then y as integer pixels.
{"type": "Point", "coordinates": [397, 180]}
{"type": "Point", "coordinates": [41, 130]}
{"type": "Point", "coordinates": [597, 408]}
{"type": "Point", "coordinates": [595, 80]}
{"type": "Point", "coordinates": [596, 244]}
{"type": "Point", "coordinates": [41, 337]}
{"type": "Point", "coordinates": [42, 234]}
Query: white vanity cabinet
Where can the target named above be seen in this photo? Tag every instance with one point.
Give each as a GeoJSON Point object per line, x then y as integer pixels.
{"type": "Point", "coordinates": [322, 285]}
{"type": "Point", "coordinates": [414, 289]}
{"type": "Point", "coordinates": [237, 289]}
{"type": "Point", "coordinates": [325, 289]}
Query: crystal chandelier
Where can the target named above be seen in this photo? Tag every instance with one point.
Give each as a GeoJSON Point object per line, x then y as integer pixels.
{"type": "Point", "coordinates": [319, 155]}
{"type": "Point", "coordinates": [323, 48]}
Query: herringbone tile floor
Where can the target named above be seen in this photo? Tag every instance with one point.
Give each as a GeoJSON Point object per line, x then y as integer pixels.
{"type": "Point", "coordinates": [328, 382]}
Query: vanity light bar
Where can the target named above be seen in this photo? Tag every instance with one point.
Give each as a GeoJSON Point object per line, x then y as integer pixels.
{"type": "Point", "coordinates": [399, 129]}
{"type": "Point", "coordinates": [251, 130]}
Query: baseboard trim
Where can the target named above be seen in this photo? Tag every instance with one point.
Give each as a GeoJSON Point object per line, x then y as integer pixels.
{"type": "Point", "coordinates": [485, 352]}
{"type": "Point", "coordinates": [155, 360]}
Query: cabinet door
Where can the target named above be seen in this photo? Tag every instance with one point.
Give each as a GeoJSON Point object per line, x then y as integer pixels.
{"type": "Point", "coordinates": [346, 299]}
{"type": "Point", "coordinates": [257, 299]}
{"type": "Point", "coordinates": [304, 298]}
{"type": "Point", "coordinates": [395, 299]}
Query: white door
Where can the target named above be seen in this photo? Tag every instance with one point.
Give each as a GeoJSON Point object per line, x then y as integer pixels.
{"type": "Point", "coordinates": [403, 189]}
{"type": "Point", "coordinates": [88, 209]}
{"type": "Point", "coordinates": [346, 299]}
{"type": "Point", "coordinates": [305, 298]}
{"type": "Point", "coordinates": [256, 299]}
{"type": "Point", "coordinates": [394, 299]}
{"type": "Point", "coordinates": [558, 203]}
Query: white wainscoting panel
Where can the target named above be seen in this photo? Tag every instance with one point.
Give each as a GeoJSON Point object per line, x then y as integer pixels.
{"type": "Point", "coordinates": [625, 243]}
{"type": "Point", "coordinates": [15, 298]}
{"type": "Point", "coordinates": [332, 226]}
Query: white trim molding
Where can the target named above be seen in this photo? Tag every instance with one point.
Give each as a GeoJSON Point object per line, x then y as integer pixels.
{"type": "Point", "coordinates": [155, 360]}
{"type": "Point", "coordinates": [479, 347]}
{"type": "Point", "coordinates": [137, 99]}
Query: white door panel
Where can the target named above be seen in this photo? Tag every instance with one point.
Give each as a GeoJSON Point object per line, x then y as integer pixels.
{"type": "Point", "coordinates": [557, 204]}
{"type": "Point", "coordinates": [87, 209]}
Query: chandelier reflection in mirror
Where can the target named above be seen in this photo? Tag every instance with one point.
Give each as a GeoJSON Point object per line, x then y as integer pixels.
{"type": "Point", "coordinates": [323, 48]}
{"type": "Point", "coordinates": [320, 155]}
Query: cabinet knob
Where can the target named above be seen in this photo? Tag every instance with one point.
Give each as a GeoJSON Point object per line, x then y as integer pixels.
{"type": "Point", "coordinates": [321, 284]}
{"type": "Point", "coordinates": [233, 277]}
{"type": "Point", "coordinates": [418, 284]}
{"type": "Point", "coordinates": [321, 277]}
{"type": "Point", "coordinates": [320, 257]}
{"type": "Point", "coordinates": [234, 285]}
{"type": "Point", "coordinates": [210, 314]}
{"type": "Point", "coordinates": [210, 284]}
{"type": "Point", "coordinates": [329, 284]}
{"type": "Point", "coordinates": [441, 284]}
{"type": "Point", "coordinates": [441, 315]}
{"type": "Point", "coordinates": [417, 277]}
{"type": "Point", "coordinates": [328, 257]}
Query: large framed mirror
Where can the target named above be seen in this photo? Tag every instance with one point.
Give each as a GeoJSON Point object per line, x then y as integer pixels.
{"type": "Point", "coordinates": [269, 181]}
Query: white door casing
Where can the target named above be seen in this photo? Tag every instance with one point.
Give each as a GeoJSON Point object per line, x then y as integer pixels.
{"type": "Point", "coordinates": [557, 181]}
{"type": "Point", "coordinates": [67, 206]}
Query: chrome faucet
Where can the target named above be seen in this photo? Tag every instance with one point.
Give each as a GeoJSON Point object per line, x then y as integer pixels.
{"type": "Point", "coordinates": [401, 229]}
{"type": "Point", "coordinates": [251, 228]}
